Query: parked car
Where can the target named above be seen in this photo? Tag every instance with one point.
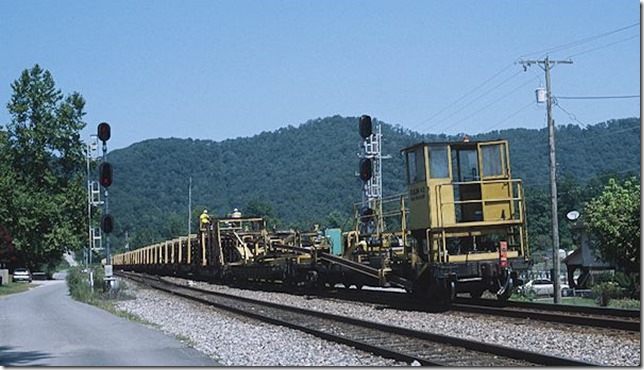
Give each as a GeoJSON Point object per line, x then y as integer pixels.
{"type": "Point", "coordinates": [22, 274]}
{"type": "Point", "coordinates": [544, 287]}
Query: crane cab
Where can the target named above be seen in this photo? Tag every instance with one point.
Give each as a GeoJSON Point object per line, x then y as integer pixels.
{"type": "Point", "coordinates": [467, 207]}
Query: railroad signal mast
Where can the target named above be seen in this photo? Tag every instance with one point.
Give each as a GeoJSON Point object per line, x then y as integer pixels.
{"type": "Point", "coordinates": [370, 170]}
{"type": "Point", "coordinates": [105, 179]}
{"type": "Point", "coordinates": [93, 200]}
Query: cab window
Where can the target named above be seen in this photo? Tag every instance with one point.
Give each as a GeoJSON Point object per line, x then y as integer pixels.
{"type": "Point", "coordinates": [415, 166]}
{"type": "Point", "coordinates": [493, 160]}
{"type": "Point", "coordinates": [438, 162]}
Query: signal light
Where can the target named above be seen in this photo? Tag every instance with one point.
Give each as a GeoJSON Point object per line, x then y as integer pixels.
{"type": "Point", "coordinates": [104, 131]}
{"type": "Point", "coordinates": [107, 223]}
{"type": "Point", "coordinates": [366, 170]}
{"type": "Point", "coordinates": [105, 174]}
{"type": "Point", "coordinates": [365, 126]}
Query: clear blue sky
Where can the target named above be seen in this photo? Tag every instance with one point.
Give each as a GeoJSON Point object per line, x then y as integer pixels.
{"type": "Point", "coordinates": [226, 69]}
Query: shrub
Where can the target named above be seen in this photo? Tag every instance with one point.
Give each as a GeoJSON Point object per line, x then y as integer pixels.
{"type": "Point", "coordinates": [604, 292]}
{"type": "Point", "coordinates": [79, 284]}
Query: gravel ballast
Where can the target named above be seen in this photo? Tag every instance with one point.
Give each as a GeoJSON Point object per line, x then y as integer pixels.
{"type": "Point", "coordinates": [236, 341]}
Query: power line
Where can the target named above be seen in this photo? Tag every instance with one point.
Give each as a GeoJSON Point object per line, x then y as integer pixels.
{"type": "Point", "coordinates": [462, 97]}
{"type": "Point", "coordinates": [581, 41]}
{"type": "Point", "coordinates": [564, 141]}
{"type": "Point", "coordinates": [552, 49]}
{"type": "Point", "coordinates": [599, 97]}
{"type": "Point", "coordinates": [493, 103]}
{"type": "Point", "coordinates": [604, 46]}
{"type": "Point", "coordinates": [570, 115]}
{"type": "Point", "coordinates": [484, 94]}
{"type": "Point", "coordinates": [510, 116]}
{"type": "Point", "coordinates": [627, 170]}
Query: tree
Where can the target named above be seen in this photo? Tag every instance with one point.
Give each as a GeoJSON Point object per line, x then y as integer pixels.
{"type": "Point", "coordinates": [336, 219]}
{"type": "Point", "coordinates": [264, 209]}
{"type": "Point", "coordinates": [614, 221]}
{"type": "Point", "coordinates": [43, 206]}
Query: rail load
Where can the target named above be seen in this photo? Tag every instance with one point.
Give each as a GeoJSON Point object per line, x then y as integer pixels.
{"type": "Point", "coordinates": [459, 228]}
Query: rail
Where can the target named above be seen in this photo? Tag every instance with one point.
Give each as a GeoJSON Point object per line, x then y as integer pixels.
{"type": "Point", "coordinates": [399, 343]}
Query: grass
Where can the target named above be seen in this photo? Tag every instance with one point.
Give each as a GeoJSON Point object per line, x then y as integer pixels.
{"type": "Point", "coordinates": [580, 301]}
{"type": "Point", "coordinates": [185, 340]}
{"type": "Point", "coordinates": [11, 288]}
{"type": "Point", "coordinates": [80, 290]}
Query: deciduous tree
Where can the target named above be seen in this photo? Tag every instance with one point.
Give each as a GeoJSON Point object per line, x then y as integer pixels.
{"type": "Point", "coordinates": [43, 205]}
{"type": "Point", "coordinates": [614, 221]}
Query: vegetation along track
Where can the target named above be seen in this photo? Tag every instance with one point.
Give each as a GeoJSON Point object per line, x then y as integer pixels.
{"type": "Point", "coordinates": [388, 341]}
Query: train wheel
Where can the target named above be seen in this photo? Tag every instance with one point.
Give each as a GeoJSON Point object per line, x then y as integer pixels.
{"type": "Point", "coordinates": [506, 288]}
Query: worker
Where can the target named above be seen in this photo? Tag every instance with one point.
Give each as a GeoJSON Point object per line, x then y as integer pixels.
{"type": "Point", "coordinates": [204, 220]}
{"type": "Point", "coordinates": [236, 213]}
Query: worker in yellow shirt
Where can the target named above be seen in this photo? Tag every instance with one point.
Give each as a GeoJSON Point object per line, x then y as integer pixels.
{"type": "Point", "coordinates": [204, 220]}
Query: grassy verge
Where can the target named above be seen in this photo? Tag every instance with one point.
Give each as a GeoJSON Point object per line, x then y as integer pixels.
{"type": "Point", "coordinates": [99, 294]}
{"type": "Point", "coordinates": [580, 301]}
{"type": "Point", "coordinates": [11, 288]}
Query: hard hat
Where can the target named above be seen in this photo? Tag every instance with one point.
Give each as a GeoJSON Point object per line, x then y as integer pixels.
{"type": "Point", "coordinates": [205, 211]}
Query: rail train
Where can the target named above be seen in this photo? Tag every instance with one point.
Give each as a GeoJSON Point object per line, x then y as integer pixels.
{"type": "Point", "coordinates": [459, 228]}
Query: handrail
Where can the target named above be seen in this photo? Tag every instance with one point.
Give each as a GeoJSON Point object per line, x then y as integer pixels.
{"type": "Point", "coordinates": [511, 199]}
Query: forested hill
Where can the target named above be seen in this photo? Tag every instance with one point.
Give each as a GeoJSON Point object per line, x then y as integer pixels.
{"type": "Point", "coordinates": [306, 174]}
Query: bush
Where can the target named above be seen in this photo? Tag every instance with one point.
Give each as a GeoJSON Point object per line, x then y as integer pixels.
{"type": "Point", "coordinates": [79, 284]}
{"type": "Point", "coordinates": [629, 284]}
{"type": "Point", "coordinates": [604, 292]}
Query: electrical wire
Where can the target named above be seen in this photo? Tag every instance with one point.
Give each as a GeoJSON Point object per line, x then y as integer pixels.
{"type": "Point", "coordinates": [462, 97]}
{"type": "Point", "coordinates": [570, 115]}
{"type": "Point", "coordinates": [510, 116]}
{"type": "Point", "coordinates": [478, 87]}
{"type": "Point", "coordinates": [599, 97]}
{"type": "Point", "coordinates": [603, 47]}
{"type": "Point", "coordinates": [484, 94]}
{"type": "Point", "coordinates": [493, 103]}
{"type": "Point", "coordinates": [581, 41]}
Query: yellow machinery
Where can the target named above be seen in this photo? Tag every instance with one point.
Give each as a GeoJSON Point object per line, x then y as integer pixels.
{"type": "Point", "coordinates": [467, 213]}
{"type": "Point", "coordinates": [459, 228]}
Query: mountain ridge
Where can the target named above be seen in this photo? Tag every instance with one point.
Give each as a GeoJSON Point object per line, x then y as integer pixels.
{"type": "Point", "coordinates": [306, 174]}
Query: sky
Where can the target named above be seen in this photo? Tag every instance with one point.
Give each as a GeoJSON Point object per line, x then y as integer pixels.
{"type": "Point", "coordinates": [223, 69]}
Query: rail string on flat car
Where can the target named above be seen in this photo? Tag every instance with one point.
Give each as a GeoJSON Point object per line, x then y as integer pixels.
{"type": "Point", "coordinates": [459, 228]}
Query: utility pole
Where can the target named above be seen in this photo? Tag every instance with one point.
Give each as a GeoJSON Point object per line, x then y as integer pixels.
{"type": "Point", "coordinates": [189, 207]}
{"type": "Point", "coordinates": [553, 169]}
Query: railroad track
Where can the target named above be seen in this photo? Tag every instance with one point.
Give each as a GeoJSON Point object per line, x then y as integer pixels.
{"type": "Point", "coordinates": [598, 317]}
{"type": "Point", "coordinates": [574, 315]}
{"type": "Point", "coordinates": [387, 341]}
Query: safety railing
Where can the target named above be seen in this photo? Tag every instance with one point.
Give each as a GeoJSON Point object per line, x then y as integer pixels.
{"type": "Point", "coordinates": [515, 200]}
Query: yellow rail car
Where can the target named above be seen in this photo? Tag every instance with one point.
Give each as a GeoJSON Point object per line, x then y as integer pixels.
{"type": "Point", "coordinates": [460, 227]}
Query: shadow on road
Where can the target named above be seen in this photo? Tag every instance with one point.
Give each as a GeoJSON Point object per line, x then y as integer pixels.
{"type": "Point", "coordinates": [11, 357]}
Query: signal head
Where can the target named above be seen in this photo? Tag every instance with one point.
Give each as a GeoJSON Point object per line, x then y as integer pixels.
{"type": "Point", "coordinates": [107, 223]}
{"type": "Point", "coordinates": [105, 174]}
{"type": "Point", "coordinates": [366, 169]}
{"type": "Point", "coordinates": [104, 131]}
{"type": "Point", "coordinates": [365, 126]}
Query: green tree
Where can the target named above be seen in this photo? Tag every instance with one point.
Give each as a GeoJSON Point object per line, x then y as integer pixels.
{"type": "Point", "coordinates": [43, 206]}
{"type": "Point", "coordinates": [264, 209]}
{"type": "Point", "coordinates": [336, 219]}
{"type": "Point", "coordinates": [614, 221]}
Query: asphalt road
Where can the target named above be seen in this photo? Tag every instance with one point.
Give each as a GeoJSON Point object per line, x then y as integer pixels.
{"type": "Point", "coordinates": [46, 327]}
